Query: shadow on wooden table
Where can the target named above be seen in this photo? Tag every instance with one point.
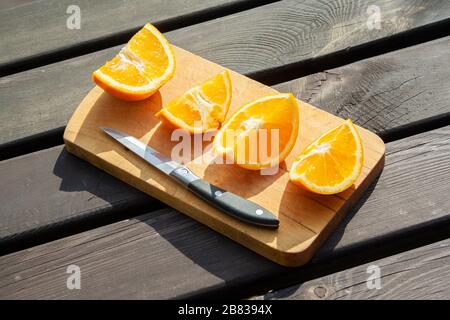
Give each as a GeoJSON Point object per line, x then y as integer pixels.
{"type": "Point", "coordinates": [239, 268]}
{"type": "Point", "coordinates": [326, 255]}
{"type": "Point", "coordinates": [220, 257]}
{"type": "Point", "coordinates": [97, 198]}
{"type": "Point", "coordinates": [208, 250]}
{"type": "Point", "coordinates": [78, 175]}
{"type": "Point", "coordinates": [205, 248]}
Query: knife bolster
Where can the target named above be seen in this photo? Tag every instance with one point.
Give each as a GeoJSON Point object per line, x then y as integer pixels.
{"type": "Point", "coordinates": [184, 176]}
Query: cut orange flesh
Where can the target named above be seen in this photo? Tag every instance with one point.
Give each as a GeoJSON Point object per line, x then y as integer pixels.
{"type": "Point", "coordinates": [261, 133]}
{"type": "Point", "coordinates": [141, 67]}
{"type": "Point", "coordinates": [202, 108]}
{"type": "Point", "coordinates": [332, 163]}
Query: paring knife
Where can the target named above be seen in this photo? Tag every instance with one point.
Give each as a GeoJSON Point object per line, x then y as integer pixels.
{"type": "Point", "coordinates": [228, 202]}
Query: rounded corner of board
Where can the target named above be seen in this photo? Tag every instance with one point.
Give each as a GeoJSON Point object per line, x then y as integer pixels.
{"type": "Point", "coordinates": [294, 258]}
{"type": "Point", "coordinates": [380, 143]}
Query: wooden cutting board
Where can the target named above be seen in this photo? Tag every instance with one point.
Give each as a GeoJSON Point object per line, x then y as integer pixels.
{"type": "Point", "coordinates": [306, 219]}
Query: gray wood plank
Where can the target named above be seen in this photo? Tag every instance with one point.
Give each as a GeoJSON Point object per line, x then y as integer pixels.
{"type": "Point", "coordinates": [37, 27]}
{"type": "Point", "coordinates": [420, 274]}
{"type": "Point", "coordinates": [249, 42]}
{"type": "Point", "coordinates": [59, 192]}
{"type": "Point", "coordinates": [384, 92]}
{"type": "Point", "coordinates": [290, 31]}
{"type": "Point", "coordinates": [165, 254]}
{"type": "Point", "coordinates": [427, 74]}
{"type": "Point", "coordinates": [8, 4]}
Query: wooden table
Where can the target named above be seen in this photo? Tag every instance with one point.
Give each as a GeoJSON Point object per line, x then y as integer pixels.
{"type": "Point", "coordinates": [385, 66]}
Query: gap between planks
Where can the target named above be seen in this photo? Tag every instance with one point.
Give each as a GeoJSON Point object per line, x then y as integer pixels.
{"type": "Point", "coordinates": [377, 75]}
{"type": "Point", "coordinates": [121, 37]}
{"type": "Point", "coordinates": [372, 231]}
{"type": "Point", "coordinates": [421, 273]}
{"type": "Point", "coordinates": [426, 29]}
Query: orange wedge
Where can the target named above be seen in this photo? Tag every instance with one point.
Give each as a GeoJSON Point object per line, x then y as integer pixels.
{"type": "Point", "coordinates": [261, 133]}
{"type": "Point", "coordinates": [332, 163]}
{"type": "Point", "coordinates": [202, 108]}
{"type": "Point", "coordinates": [145, 64]}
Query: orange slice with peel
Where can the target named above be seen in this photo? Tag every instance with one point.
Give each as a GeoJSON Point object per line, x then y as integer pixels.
{"type": "Point", "coordinates": [145, 64]}
{"type": "Point", "coordinates": [332, 163]}
{"type": "Point", "coordinates": [202, 108]}
{"type": "Point", "coordinates": [261, 133]}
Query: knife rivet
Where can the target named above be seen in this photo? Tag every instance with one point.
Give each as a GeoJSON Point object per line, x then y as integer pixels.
{"type": "Point", "coordinates": [217, 193]}
{"type": "Point", "coordinates": [259, 212]}
{"type": "Point", "coordinates": [183, 171]}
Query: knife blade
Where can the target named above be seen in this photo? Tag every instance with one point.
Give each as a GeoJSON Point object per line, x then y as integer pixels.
{"type": "Point", "coordinates": [228, 202]}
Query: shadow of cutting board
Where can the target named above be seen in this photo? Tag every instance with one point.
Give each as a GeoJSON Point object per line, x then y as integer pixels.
{"type": "Point", "coordinates": [306, 219]}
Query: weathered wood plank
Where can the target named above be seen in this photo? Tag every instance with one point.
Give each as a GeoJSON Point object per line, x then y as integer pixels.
{"type": "Point", "coordinates": [164, 254]}
{"type": "Point", "coordinates": [8, 4]}
{"type": "Point", "coordinates": [35, 28]}
{"type": "Point", "coordinates": [385, 92]}
{"type": "Point", "coordinates": [427, 73]}
{"type": "Point", "coordinates": [260, 39]}
{"type": "Point", "coordinates": [420, 274]}
{"type": "Point", "coordinates": [58, 193]}
{"type": "Point", "coordinates": [287, 32]}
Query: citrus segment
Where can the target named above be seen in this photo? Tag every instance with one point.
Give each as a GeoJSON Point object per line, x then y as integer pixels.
{"type": "Point", "coordinates": [332, 163]}
{"type": "Point", "coordinates": [141, 67]}
{"type": "Point", "coordinates": [261, 133]}
{"type": "Point", "coordinates": [202, 108]}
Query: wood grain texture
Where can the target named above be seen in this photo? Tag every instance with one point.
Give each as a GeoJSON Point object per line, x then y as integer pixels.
{"type": "Point", "coordinates": [36, 27]}
{"type": "Point", "coordinates": [246, 42]}
{"type": "Point", "coordinates": [165, 254]}
{"type": "Point", "coordinates": [306, 220]}
{"type": "Point", "coordinates": [8, 4]}
{"type": "Point", "coordinates": [283, 33]}
{"type": "Point", "coordinates": [385, 92]}
{"type": "Point", "coordinates": [420, 274]}
{"type": "Point", "coordinates": [407, 196]}
{"type": "Point", "coordinates": [57, 192]}
{"type": "Point", "coordinates": [18, 171]}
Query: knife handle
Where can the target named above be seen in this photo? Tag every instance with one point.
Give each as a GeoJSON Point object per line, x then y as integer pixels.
{"type": "Point", "coordinates": [226, 201]}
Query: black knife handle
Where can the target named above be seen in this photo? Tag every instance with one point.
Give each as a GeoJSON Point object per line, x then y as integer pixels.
{"type": "Point", "coordinates": [233, 204]}
{"type": "Point", "coordinates": [226, 201]}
